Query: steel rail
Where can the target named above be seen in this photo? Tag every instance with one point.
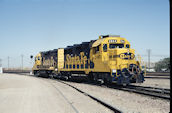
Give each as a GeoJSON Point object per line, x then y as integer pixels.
{"type": "Point", "coordinates": [149, 91]}
{"type": "Point", "coordinates": [115, 110]}
{"type": "Point", "coordinates": [157, 92]}
{"type": "Point", "coordinates": [149, 87]}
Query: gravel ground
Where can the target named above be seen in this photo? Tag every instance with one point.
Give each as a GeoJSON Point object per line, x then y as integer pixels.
{"type": "Point", "coordinates": [26, 94]}
{"type": "Point", "coordinates": [161, 83]}
{"type": "Point", "coordinates": [126, 101]}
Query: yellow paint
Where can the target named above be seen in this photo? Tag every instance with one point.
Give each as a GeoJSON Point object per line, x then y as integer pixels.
{"type": "Point", "coordinates": [37, 62]}
{"type": "Point", "coordinates": [60, 57]}
{"type": "Point", "coordinates": [104, 61]}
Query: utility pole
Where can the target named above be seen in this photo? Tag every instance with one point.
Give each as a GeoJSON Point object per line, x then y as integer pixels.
{"type": "Point", "coordinates": [1, 66]}
{"type": "Point", "coordinates": [22, 62]}
{"type": "Point", "coordinates": [8, 62]}
{"type": "Point", "coordinates": [149, 51]}
{"type": "Point", "coordinates": [31, 57]}
{"type": "Point", "coordinates": [0, 62]}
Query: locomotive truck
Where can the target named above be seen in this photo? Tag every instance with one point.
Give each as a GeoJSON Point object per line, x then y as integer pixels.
{"type": "Point", "coordinates": [109, 59]}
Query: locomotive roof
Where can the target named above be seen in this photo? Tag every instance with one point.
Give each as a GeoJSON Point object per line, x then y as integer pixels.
{"type": "Point", "coordinates": [46, 52]}
{"type": "Point", "coordinates": [102, 38]}
{"type": "Point", "coordinates": [77, 45]}
{"type": "Point", "coordinates": [98, 42]}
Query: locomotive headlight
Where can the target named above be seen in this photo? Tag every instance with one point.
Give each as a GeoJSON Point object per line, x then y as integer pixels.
{"type": "Point", "coordinates": [113, 70]}
{"type": "Point", "coordinates": [128, 51]}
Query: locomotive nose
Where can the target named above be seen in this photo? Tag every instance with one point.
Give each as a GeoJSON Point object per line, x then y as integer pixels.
{"type": "Point", "coordinates": [136, 73]}
{"type": "Point", "coordinates": [133, 74]}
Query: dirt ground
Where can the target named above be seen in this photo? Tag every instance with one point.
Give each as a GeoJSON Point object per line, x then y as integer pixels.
{"type": "Point", "coordinates": [26, 94]}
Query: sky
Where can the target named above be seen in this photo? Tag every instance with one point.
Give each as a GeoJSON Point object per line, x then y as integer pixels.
{"type": "Point", "coordinates": [30, 26]}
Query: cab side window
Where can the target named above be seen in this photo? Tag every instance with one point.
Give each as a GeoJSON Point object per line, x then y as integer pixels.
{"type": "Point", "coordinates": [97, 49]}
{"type": "Point", "coordinates": [38, 58]}
{"type": "Point", "coordinates": [94, 50]}
{"type": "Point", "coordinates": [104, 47]}
{"type": "Point", "coordinates": [127, 46]}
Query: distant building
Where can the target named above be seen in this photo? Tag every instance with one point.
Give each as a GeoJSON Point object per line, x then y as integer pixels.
{"type": "Point", "coordinates": [152, 64]}
{"type": "Point", "coordinates": [150, 70]}
{"type": "Point", "coordinates": [165, 70]}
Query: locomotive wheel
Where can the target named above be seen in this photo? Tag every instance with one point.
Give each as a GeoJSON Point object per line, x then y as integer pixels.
{"type": "Point", "coordinates": [90, 77]}
{"type": "Point", "coordinates": [95, 78]}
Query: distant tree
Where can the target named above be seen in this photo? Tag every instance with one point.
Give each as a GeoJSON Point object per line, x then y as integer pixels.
{"type": "Point", "coordinates": [162, 64]}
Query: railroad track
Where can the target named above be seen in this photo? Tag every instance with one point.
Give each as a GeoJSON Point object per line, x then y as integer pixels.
{"type": "Point", "coordinates": [154, 77]}
{"type": "Point", "coordinates": [162, 93]}
{"type": "Point", "coordinates": [157, 75]}
{"type": "Point", "coordinates": [149, 91]}
{"type": "Point", "coordinates": [115, 110]}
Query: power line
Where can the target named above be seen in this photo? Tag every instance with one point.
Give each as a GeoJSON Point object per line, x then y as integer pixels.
{"type": "Point", "coordinates": [1, 66]}
{"type": "Point", "coordinates": [0, 62]}
{"type": "Point", "coordinates": [31, 57]}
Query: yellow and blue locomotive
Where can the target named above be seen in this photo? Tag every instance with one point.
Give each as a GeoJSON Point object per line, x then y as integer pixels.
{"type": "Point", "coordinates": [108, 59]}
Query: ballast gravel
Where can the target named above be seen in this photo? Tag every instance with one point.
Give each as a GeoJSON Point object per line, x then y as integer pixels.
{"type": "Point", "coordinates": [126, 101]}
{"type": "Point", "coordinates": [159, 83]}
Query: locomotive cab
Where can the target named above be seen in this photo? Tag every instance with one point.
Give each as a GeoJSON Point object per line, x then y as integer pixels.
{"type": "Point", "coordinates": [116, 54]}
{"type": "Point", "coordinates": [37, 63]}
{"type": "Point", "coordinates": [45, 63]}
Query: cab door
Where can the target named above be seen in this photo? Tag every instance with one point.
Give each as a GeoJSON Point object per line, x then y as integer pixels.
{"type": "Point", "coordinates": [97, 57]}
{"type": "Point", "coordinates": [105, 57]}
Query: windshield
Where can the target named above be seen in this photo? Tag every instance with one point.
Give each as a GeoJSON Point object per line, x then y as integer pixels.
{"type": "Point", "coordinates": [111, 46]}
